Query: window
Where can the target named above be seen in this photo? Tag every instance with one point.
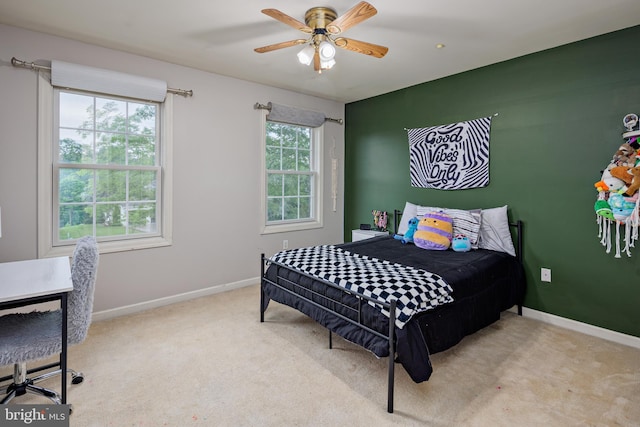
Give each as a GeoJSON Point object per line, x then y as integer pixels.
{"type": "Point", "coordinates": [105, 170]}
{"type": "Point", "coordinates": [292, 183]}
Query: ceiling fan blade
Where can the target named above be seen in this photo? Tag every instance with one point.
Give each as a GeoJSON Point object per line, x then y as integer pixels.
{"type": "Point", "coordinates": [277, 46]}
{"type": "Point", "coordinates": [353, 16]}
{"type": "Point", "coordinates": [361, 47]}
{"type": "Point", "coordinates": [286, 19]}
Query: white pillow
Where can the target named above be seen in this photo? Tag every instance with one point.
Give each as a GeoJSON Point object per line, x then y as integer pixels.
{"type": "Point", "coordinates": [494, 231]}
{"type": "Point", "coordinates": [410, 210]}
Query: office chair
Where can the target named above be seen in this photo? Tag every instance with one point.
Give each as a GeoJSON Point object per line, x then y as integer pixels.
{"type": "Point", "coordinates": [37, 335]}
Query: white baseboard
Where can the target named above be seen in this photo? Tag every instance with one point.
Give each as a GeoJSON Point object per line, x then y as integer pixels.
{"type": "Point", "coordinates": [584, 328]}
{"type": "Point", "coordinates": [160, 302]}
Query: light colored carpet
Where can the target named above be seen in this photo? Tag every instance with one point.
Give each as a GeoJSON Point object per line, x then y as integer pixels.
{"type": "Point", "coordinates": [210, 362]}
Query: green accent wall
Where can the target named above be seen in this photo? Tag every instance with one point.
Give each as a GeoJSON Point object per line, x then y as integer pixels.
{"type": "Point", "coordinates": [559, 122]}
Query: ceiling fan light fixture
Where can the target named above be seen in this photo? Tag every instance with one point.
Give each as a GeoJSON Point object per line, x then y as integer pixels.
{"type": "Point", "coordinates": [305, 56]}
{"type": "Point", "coordinates": [326, 50]}
{"type": "Point", "coordinates": [326, 65]}
{"type": "Point", "coordinates": [322, 24]}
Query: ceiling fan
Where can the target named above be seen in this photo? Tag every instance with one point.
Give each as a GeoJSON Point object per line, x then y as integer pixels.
{"type": "Point", "coordinates": [323, 25]}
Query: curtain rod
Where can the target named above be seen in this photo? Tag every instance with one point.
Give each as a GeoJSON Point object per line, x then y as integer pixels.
{"type": "Point", "coordinates": [493, 115]}
{"type": "Point", "coordinates": [259, 106]}
{"type": "Point", "coordinates": [18, 63]}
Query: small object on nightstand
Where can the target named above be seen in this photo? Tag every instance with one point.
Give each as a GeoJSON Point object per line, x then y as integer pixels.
{"type": "Point", "coordinates": [380, 220]}
{"type": "Point", "coordinates": [365, 226]}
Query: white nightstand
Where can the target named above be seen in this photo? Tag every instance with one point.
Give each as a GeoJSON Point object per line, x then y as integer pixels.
{"type": "Point", "coordinates": [366, 234]}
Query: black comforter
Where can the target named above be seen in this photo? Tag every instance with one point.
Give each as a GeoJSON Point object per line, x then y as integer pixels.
{"type": "Point", "coordinates": [484, 284]}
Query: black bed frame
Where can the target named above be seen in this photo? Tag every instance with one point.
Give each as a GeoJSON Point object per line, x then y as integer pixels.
{"type": "Point", "coordinates": [362, 299]}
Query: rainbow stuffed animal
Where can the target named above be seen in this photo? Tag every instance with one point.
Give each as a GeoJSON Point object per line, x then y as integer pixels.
{"type": "Point", "coordinates": [435, 231]}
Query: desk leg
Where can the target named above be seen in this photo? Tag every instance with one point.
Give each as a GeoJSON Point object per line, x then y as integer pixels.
{"type": "Point", "coordinates": [63, 354]}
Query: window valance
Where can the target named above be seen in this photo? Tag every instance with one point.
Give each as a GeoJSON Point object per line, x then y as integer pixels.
{"type": "Point", "coordinates": [74, 76]}
{"type": "Point", "coordinates": [294, 116]}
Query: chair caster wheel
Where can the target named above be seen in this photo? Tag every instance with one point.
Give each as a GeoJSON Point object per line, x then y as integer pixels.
{"type": "Point", "coordinates": [77, 377]}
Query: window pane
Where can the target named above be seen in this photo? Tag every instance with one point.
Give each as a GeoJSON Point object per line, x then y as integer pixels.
{"type": "Point", "coordinates": [291, 185]}
{"type": "Point", "coordinates": [109, 219]}
{"type": "Point", "coordinates": [304, 160]}
{"type": "Point", "coordinates": [273, 134]}
{"type": "Point", "coordinates": [274, 185]}
{"type": "Point", "coordinates": [75, 185]}
{"type": "Point", "coordinates": [141, 218]}
{"type": "Point", "coordinates": [142, 185]}
{"type": "Point", "coordinates": [75, 221]}
{"type": "Point", "coordinates": [305, 185]}
{"type": "Point", "coordinates": [110, 148]}
{"type": "Point", "coordinates": [304, 139]}
{"type": "Point", "coordinates": [141, 150]}
{"type": "Point", "coordinates": [74, 147]}
{"type": "Point", "coordinates": [289, 136]}
{"type": "Point", "coordinates": [273, 160]}
{"type": "Point", "coordinates": [291, 208]}
{"type": "Point", "coordinates": [76, 111]}
{"type": "Point", "coordinates": [111, 115]}
{"type": "Point", "coordinates": [142, 119]}
{"type": "Point", "coordinates": [305, 207]}
{"type": "Point", "coordinates": [111, 185]}
{"type": "Point", "coordinates": [274, 209]}
{"type": "Point", "coordinates": [289, 159]}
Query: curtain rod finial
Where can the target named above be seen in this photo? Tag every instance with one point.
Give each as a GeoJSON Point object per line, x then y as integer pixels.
{"type": "Point", "coordinates": [258, 106]}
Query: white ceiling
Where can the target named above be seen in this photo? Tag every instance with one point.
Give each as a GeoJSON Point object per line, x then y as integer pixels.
{"type": "Point", "coordinates": [220, 36]}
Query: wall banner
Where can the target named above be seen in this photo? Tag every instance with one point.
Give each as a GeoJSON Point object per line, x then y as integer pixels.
{"type": "Point", "coordinates": [450, 157]}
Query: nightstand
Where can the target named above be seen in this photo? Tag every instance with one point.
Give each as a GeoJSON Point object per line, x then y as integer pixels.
{"type": "Point", "coordinates": [366, 234]}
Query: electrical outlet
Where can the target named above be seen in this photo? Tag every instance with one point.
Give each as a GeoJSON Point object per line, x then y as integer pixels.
{"type": "Point", "coordinates": [285, 244]}
{"type": "Point", "coordinates": [545, 274]}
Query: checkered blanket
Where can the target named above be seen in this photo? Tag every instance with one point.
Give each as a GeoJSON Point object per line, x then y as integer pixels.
{"type": "Point", "coordinates": [415, 290]}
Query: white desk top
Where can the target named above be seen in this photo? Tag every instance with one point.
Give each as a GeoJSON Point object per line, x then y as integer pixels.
{"type": "Point", "coordinates": [34, 278]}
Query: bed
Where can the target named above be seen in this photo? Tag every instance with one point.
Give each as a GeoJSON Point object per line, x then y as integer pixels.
{"type": "Point", "coordinates": [481, 284]}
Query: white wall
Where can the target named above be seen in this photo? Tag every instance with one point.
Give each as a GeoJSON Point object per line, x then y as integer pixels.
{"type": "Point", "coordinates": [216, 238]}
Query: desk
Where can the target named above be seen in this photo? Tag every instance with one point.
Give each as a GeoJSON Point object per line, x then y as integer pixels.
{"type": "Point", "coordinates": [36, 281]}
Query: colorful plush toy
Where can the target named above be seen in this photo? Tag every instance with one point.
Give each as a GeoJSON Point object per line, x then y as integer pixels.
{"type": "Point", "coordinates": [625, 156]}
{"type": "Point", "coordinates": [461, 243]}
{"type": "Point", "coordinates": [434, 232]}
{"type": "Point", "coordinates": [408, 236]}
{"type": "Point", "coordinates": [603, 209]}
{"type": "Point", "coordinates": [608, 182]}
{"type": "Point", "coordinates": [621, 206]}
{"type": "Point", "coordinates": [622, 173]}
{"type": "Point", "coordinates": [635, 181]}
{"type": "Point", "coordinates": [380, 220]}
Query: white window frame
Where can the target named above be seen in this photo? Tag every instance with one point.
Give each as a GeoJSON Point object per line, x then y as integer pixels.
{"type": "Point", "coordinates": [46, 182]}
{"type": "Point", "coordinates": [317, 138]}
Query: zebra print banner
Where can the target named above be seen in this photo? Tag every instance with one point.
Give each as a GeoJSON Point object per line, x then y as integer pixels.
{"type": "Point", "coordinates": [450, 157]}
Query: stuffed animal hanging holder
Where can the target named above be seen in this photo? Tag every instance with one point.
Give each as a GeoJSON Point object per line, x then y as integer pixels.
{"type": "Point", "coordinates": [618, 197]}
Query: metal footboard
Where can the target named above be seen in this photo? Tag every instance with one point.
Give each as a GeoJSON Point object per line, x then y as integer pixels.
{"type": "Point", "coordinates": [332, 306]}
